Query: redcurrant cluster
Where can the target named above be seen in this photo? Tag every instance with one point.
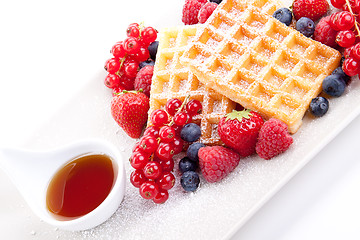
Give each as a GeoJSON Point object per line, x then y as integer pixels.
{"type": "Point", "coordinates": [346, 23]}
{"type": "Point", "coordinates": [124, 65]}
{"type": "Point", "coordinates": [152, 156]}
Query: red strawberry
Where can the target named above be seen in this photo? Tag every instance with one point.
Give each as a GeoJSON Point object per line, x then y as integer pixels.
{"type": "Point", "coordinates": [129, 109]}
{"type": "Point", "coordinates": [239, 130]}
{"type": "Point", "coordinates": [191, 10]}
{"type": "Point", "coordinates": [217, 162]}
{"type": "Point", "coordinates": [313, 9]}
{"type": "Point", "coordinates": [274, 139]}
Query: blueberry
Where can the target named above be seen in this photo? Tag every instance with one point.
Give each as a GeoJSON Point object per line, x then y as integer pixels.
{"type": "Point", "coordinates": [284, 15]}
{"type": "Point", "coordinates": [216, 1]}
{"type": "Point", "coordinates": [190, 181]}
{"type": "Point", "coordinates": [319, 106]}
{"type": "Point", "coordinates": [306, 26]}
{"type": "Point", "coordinates": [343, 75]}
{"type": "Point", "coordinates": [334, 85]}
{"type": "Point", "coordinates": [153, 49]}
{"type": "Point", "coordinates": [185, 164]}
{"type": "Point", "coordinates": [191, 132]}
{"type": "Point", "coordinates": [146, 63]}
{"type": "Point", "coordinates": [192, 151]}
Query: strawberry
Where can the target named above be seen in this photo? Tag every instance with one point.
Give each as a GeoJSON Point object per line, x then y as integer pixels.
{"type": "Point", "coordinates": [129, 109]}
{"type": "Point", "coordinates": [274, 139]}
{"type": "Point", "coordinates": [313, 9]}
{"type": "Point", "coordinates": [216, 162]}
{"type": "Point", "coordinates": [239, 130]}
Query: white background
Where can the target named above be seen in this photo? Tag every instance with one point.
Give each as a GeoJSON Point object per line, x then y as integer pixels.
{"type": "Point", "coordinates": [49, 51]}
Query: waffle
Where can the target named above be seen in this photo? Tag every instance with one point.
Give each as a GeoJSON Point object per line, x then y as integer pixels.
{"type": "Point", "coordinates": [172, 80]}
{"type": "Point", "coordinates": [247, 55]}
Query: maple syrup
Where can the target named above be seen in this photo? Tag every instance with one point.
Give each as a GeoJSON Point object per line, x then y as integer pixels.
{"type": "Point", "coordinates": [80, 186]}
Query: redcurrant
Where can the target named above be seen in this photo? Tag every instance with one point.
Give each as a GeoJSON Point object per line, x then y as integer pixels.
{"type": "Point", "coordinates": [137, 178]}
{"type": "Point", "coordinates": [118, 50]}
{"type": "Point", "coordinates": [345, 38]}
{"type": "Point", "coordinates": [193, 107]}
{"type": "Point", "coordinates": [167, 165]}
{"type": "Point", "coordinates": [152, 131]}
{"type": "Point", "coordinates": [344, 21]}
{"type": "Point", "coordinates": [182, 118]}
{"type": "Point", "coordinates": [355, 51]}
{"type": "Point", "coordinates": [148, 143]}
{"type": "Point", "coordinates": [178, 144]}
{"type": "Point", "coordinates": [351, 67]}
{"type": "Point", "coordinates": [139, 159]}
{"type": "Point", "coordinates": [159, 117]}
{"type": "Point", "coordinates": [142, 55]}
{"type": "Point", "coordinates": [161, 197]}
{"type": "Point", "coordinates": [112, 80]}
{"type": "Point", "coordinates": [149, 189]}
{"type": "Point", "coordinates": [112, 65]}
{"type": "Point", "coordinates": [338, 3]}
{"type": "Point", "coordinates": [172, 106]}
{"type": "Point", "coordinates": [133, 30]}
{"type": "Point", "coordinates": [167, 134]}
{"type": "Point", "coordinates": [347, 52]}
{"type": "Point", "coordinates": [152, 170]}
{"type": "Point", "coordinates": [166, 181]}
{"type": "Point", "coordinates": [165, 151]}
{"type": "Point", "coordinates": [131, 68]}
{"type": "Point", "coordinates": [131, 45]}
{"type": "Point", "coordinates": [148, 35]}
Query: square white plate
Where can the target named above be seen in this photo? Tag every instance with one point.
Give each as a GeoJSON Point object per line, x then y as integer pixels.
{"type": "Point", "coordinates": [212, 212]}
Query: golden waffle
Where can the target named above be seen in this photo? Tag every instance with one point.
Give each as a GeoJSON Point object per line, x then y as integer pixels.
{"type": "Point", "coordinates": [172, 80]}
{"type": "Point", "coordinates": [247, 55]}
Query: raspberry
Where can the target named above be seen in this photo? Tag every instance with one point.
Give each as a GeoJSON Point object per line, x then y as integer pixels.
{"type": "Point", "coordinates": [191, 10]}
{"type": "Point", "coordinates": [324, 33]}
{"type": "Point", "coordinates": [273, 139]}
{"type": "Point", "coordinates": [205, 11]}
{"type": "Point", "coordinates": [143, 80]}
{"type": "Point", "coordinates": [217, 162]}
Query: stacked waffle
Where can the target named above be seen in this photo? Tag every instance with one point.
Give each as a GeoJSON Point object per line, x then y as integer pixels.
{"type": "Point", "coordinates": [243, 55]}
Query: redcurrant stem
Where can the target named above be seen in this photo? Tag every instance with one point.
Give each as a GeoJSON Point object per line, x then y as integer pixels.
{"type": "Point", "coordinates": [356, 23]}
{"type": "Point", "coordinates": [180, 109]}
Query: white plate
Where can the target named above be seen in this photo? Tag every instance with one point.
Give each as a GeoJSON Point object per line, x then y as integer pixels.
{"type": "Point", "coordinates": [213, 212]}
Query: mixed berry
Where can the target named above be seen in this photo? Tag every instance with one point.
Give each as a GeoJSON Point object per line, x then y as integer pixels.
{"type": "Point", "coordinates": [128, 56]}
{"type": "Point", "coordinates": [153, 155]}
{"type": "Point", "coordinates": [171, 129]}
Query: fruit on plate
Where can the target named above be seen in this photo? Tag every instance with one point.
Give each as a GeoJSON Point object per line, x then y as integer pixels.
{"type": "Point", "coordinates": [313, 9]}
{"type": "Point", "coordinates": [306, 26]}
{"type": "Point", "coordinates": [143, 79]}
{"type": "Point", "coordinates": [239, 130]}
{"type": "Point", "coordinates": [152, 156]}
{"type": "Point", "coordinates": [191, 10]}
{"type": "Point", "coordinates": [137, 50]}
{"type": "Point", "coordinates": [129, 109]}
{"type": "Point", "coordinates": [205, 11]}
{"type": "Point", "coordinates": [216, 162]}
{"type": "Point", "coordinates": [284, 15]}
{"type": "Point", "coordinates": [274, 139]}
{"type": "Point", "coordinates": [324, 33]}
